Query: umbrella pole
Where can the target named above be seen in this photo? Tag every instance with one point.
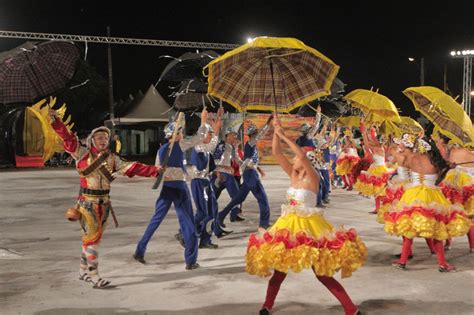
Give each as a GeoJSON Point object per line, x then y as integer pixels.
{"type": "Point", "coordinates": [273, 86]}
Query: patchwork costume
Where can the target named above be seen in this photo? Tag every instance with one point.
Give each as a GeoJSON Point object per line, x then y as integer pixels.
{"type": "Point", "coordinates": [97, 170]}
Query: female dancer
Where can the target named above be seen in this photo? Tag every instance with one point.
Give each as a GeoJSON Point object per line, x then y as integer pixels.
{"type": "Point", "coordinates": [301, 237]}
{"type": "Point", "coordinates": [347, 160]}
{"type": "Point", "coordinates": [423, 211]}
{"type": "Point", "coordinates": [372, 182]}
{"type": "Point", "coordinates": [458, 185]}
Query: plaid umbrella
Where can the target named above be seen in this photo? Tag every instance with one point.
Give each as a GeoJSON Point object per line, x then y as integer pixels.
{"type": "Point", "coordinates": [372, 102]}
{"type": "Point", "coordinates": [28, 74]}
{"type": "Point", "coordinates": [444, 112]}
{"type": "Point", "coordinates": [192, 95]}
{"type": "Point", "coordinates": [271, 73]}
{"type": "Point", "coordinates": [188, 66]}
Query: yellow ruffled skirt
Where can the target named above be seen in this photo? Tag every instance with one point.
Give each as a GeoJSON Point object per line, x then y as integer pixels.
{"type": "Point", "coordinates": [423, 211]}
{"type": "Point", "coordinates": [296, 243]}
{"type": "Point", "coordinates": [372, 182]}
{"type": "Point", "coordinates": [458, 187]}
{"type": "Point", "coordinates": [345, 164]}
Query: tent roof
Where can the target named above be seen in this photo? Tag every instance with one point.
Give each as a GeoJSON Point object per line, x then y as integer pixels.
{"type": "Point", "coordinates": [151, 107]}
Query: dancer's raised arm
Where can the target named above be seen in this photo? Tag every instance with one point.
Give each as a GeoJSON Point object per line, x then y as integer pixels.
{"type": "Point", "coordinates": [300, 154]}
{"type": "Point", "coordinates": [276, 148]}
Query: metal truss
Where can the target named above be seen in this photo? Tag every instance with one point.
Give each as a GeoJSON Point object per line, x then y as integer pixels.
{"type": "Point", "coordinates": [466, 84]}
{"type": "Point", "coordinates": [116, 40]}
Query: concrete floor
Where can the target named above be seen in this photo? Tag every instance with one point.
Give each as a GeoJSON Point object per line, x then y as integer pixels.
{"type": "Point", "coordinates": [39, 258]}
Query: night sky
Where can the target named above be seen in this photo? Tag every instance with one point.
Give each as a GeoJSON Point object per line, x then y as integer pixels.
{"type": "Point", "coordinates": [370, 40]}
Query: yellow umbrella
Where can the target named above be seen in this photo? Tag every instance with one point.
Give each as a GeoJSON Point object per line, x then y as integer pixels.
{"type": "Point", "coordinates": [271, 73]}
{"type": "Point", "coordinates": [372, 102]}
{"type": "Point", "coordinates": [444, 112]}
{"type": "Point", "coordinates": [349, 121]}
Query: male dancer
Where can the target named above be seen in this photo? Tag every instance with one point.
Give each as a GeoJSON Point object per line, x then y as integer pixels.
{"type": "Point", "coordinates": [96, 166]}
{"type": "Point", "coordinates": [223, 177]}
{"type": "Point", "coordinates": [206, 205]}
{"type": "Point", "coordinates": [251, 180]}
{"type": "Point", "coordinates": [176, 191]}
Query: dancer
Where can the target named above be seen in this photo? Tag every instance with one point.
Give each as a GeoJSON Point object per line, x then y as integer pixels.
{"type": "Point", "coordinates": [423, 211]}
{"type": "Point", "coordinates": [252, 181]}
{"type": "Point", "coordinates": [458, 185]}
{"type": "Point", "coordinates": [301, 237]}
{"type": "Point", "coordinates": [347, 160]}
{"type": "Point", "coordinates": [97, 167]}
{"type": "Point", "coordinates": [308, 132]}
{"type": "Point", "coordinates": [202, 163]}
{"type": "Point", "coordinates": [223, 177]}
{"type": "Point", "coordinates": [176, 191]}
{"type": "Point", "coordinates": [371, 183]}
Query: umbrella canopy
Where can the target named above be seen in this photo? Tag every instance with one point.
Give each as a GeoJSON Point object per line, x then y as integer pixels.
{"type": "Point", "coordinates": [444, 112]}
{"type": "Point", "coordinates": [372, 102]}
{"type": "Point", "coordinates": [349, 121]}
{"type": "Point", "coordinates": [372, 119]}
{"type": "Point", "coordinates": [30, 73]}
{"type": "Point", "coordinates": [406, 125]}
{"type": "Point", "coordinates": [271, 73]}
{"type": "Point", "coordinates": [192, 95]}
{"type": "Point", "coordinates": [187, 66]}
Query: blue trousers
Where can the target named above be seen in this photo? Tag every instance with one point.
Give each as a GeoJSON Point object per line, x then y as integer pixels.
{"type": "Point", "coordinates": [251, 184]}
{"type": "Point", "coordinates": [181, 199]}
{"type": "Point", "coordinates": [232, 187]}
{"type": "Point", "coordinates": [333, 158]}
{"type": "Point", "coordinates": [324, 185]}
{"type": "Point", "coordinates": [206, 207]}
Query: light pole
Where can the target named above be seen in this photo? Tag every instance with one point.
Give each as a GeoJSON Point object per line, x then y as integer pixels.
{"type": "Point", "coordinates": [467, 76]}
{"type": "Point", "coordinates": [422, 68]}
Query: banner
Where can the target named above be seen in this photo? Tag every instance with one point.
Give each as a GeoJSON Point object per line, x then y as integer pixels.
{"type": "Point", "coordinates": [290, 123]}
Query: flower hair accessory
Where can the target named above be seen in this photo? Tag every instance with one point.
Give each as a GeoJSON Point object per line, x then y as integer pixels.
{"type": "Point", "coordinates": [408, 140]}
{"type": "Point", "coordinates": [422, 146]}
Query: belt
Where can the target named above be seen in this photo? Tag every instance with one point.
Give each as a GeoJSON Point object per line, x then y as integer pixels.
{"type": "Point", "coordinates": [96, 192]}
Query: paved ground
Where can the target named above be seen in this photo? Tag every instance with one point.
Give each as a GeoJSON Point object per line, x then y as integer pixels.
{"type": "Point", "coordinates": [39, 257]}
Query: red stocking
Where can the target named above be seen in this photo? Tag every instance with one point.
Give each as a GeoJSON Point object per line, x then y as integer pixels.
{"type": "Point", "coordinates": [377, 203]}
{"type": "Point", "coordinates": [344, 179]}
{"type": "Point", "coordinates": [438, 245]}
{"type": "Point", "coordinates": [448, 243]}
{"type": "Point", "coordinates": [338, 291]}
{"type": "Point", "coordinates": [273, 288]}
{"type": "Point", "coordinates": [350, 179]}
{"type": "Point", "coordinates": [429, 242]}
{"type": "Point", "coordinates": [406, 250]}
{"type": "Point", "coordinates": [470, 237]}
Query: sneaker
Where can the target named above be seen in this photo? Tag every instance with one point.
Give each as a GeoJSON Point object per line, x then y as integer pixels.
{"type": "Point", "coordinates": [209, 246]}
{"type": "Point", "coordinates": [398, 265]}
{"type": "Point", "coordinates": [223, 233]}
{"type": "Point", "coordinates": [447, 268]}
{"type": "Point", "coordinates": [264, 311]}
{"type": "Point", "coordinates": [236, 218]}
{"type": "Point", "coordinates": [138, 258]}
{"type": "Point", "coordinates": [192, 266]}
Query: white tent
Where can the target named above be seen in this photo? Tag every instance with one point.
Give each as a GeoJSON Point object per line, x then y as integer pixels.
{"type": "Point", "coordinates": [152, 107]}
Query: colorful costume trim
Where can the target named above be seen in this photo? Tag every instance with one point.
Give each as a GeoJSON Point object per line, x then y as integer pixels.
{"type": "Point", "coordinates": [297, 242]}
{"type": "Point", "coordinates": [423, 211]}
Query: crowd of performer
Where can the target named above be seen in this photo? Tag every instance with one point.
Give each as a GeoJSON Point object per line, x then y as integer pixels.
{"type": "Point", "coordinates": [423, 187]}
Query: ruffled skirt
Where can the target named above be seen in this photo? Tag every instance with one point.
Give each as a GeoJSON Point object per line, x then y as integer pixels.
{"type": "Point", "coordinates": [423, 211]}
{"type": "Point", "coordinates": [345, 164]}
{"type": "Point", "coordinates": [296, 243]}
{"type": "Point", "coordinates": [372, 182]}
{"type": "Point", "coordinates": [458, 187]}
{"type": "Point", "coordinates": [390, 197]}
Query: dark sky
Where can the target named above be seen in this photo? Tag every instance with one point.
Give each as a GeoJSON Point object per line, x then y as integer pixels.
{"type": "Point", "coordinates": [370, 40]}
